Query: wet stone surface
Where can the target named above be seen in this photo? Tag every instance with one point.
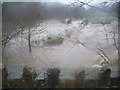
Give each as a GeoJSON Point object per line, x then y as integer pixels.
{"type": "Point", "coordinates": [91, 83]}
{"type": "Point", "coordinates": [28, 77]}
{"type": "Point", "coordinates": [79, 79]}
{"type": "Point", "coordinates": [18, 82]}
{"type": "Point", "coordinates": [4, 76]}
{"type": "Point", "coordinates": [60, 77]}
{"type": "Point", "coordinates": [53, 77]}
{"type": "Point", "coordinates": [104, 76]}
{"type": "Point", "coordinates": [68, 83]}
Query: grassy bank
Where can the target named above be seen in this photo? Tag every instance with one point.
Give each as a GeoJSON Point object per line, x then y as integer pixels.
{"type": "Point", "coordinates": [98, 20]}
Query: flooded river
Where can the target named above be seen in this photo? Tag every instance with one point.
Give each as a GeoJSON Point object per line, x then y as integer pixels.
{"type": "Point", "coordinates": [78, 46]}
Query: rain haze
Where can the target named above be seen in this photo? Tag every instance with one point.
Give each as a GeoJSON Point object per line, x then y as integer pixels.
{"type": "Point", "coordinates": [67, 34]}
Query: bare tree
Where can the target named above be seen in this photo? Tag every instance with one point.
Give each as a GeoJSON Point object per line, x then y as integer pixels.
{"type": "Point", "coordinates": [28, 17]}
{"type": "Point", "coordinates": [99, 51]}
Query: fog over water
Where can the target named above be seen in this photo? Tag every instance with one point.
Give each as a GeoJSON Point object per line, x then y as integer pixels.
{"type": "Point", "coordinates": [54, 42]}
{"type": "Point", "coordinates": [65, 54]}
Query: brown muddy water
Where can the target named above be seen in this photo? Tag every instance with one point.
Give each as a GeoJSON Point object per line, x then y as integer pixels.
{"type": "Point", "coordinates": [76, 47]}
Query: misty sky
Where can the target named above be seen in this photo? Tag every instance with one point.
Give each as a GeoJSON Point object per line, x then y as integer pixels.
{"type": "Point", "coordinates": [63, 1]}
{"type": "Point", "coordinates": [69, 1]}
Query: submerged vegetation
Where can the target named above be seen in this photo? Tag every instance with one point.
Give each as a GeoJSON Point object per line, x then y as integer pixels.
{"type": "Point", "coordinates": [49, 40]}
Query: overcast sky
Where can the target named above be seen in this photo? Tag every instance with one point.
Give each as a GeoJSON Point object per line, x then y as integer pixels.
{"type": "Point", "coordinates": [63, 1]}
{"type": "Point", "coordinates": [93, 2]}
{"type": "Point", "coordinates": [68, 1]}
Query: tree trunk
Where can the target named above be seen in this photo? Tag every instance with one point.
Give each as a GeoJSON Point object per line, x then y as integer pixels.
{"type": "Point", "coordinates": [29, 44]}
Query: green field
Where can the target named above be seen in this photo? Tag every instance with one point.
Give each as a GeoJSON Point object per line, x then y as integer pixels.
{"type": "Point", "coordinates": [98, 20]}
